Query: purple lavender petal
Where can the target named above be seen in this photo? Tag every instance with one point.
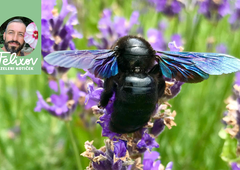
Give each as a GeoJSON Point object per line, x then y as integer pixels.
{"type": "Point", "coordinates": [58, 111]}
{"type": "Point", "coordinates": [224, 8]}
{"type": "Point", "coordinates": [65, 43]}
{"type": "Point", "coordinates": [177, 38]}
{"type": "Point", "coordinates": [49, 68]}
{"type": "Point", "coordinates": [64, 32]}
{"type": "Point", "coordinates": [169, 9]}
{"type": "Point", "coordinates": [203, 7]}
{"type": "Point", "coordinates": [156, 39]}
{"type": "Point", "coordinates": [235, 166]}
{"type": "Point", "coordinates": [53, 85]}
{"type": "Point", "coordinates": [71, 32]}
{"type": "Point", "coordinates": [209, 7]}
{"type": "Point", "coordinates": [117, 165]}
{"type": "Point", "coordinates": [82, 77]}
{"type": "Point", "coordinates": [92, 42]}
{"type": "Point", "coordinates": [237, 4]}
{"type": "Point", "coordinates": [234, 19]}
{"type": "Point", "coordinates": [76, 34]}
{"type": "Point", "coordinates": [162, 25]}
{"type": "Point", "coordinates": [104, 43]}
{"type": "Point", "coordinates": [90, 88]}
{"type": "Point", "coordinates": [147, 164]}
{"type": "Point", "coordinates": [169, 166]}
{"type": "Point", "coordinates": [221, 48]}
{"type": "Point", "coordinates": [41, 104]}
{"type": "Point", "coordinates": [109, 107]}
{"type": "Point", "coordinates": [158, 127]}
{"type": "Point", "coordinates": [105, 119]}
{"type": "Point", "coordinates": [134, 19]}
{"type": "Point", "coordinates": [47, 45]}
{"type": "Point", "coordinates": [176, 7]}
{"type": "Point", "coordinates": [63, 89]}
{"type": "Point", "coordinates": [238, 120]}
{"type": "Point", "coordinates": [59, 100]}
{"type": "Point", "coordinates": [160, 5]}
{"type": "Point", "coordinates": [147, 142]}
{"type": "Point", "coordinates": [175, 89]}
{"type": "Point", "coordinates": [107, 132]}
{"type": "Point", "coordinates": [47, 6]}
{"type": "Point", "coordinates": [237, 81]}
{"type": "Point", "coordinates": [104, 122]}
{"type": "Point", "coordinates": [65, 9]}
{"type": "Point", "coordinates": [103, 165]}
{"type": "Point", "coordinates": [151, 155]}
{"type": "Point", "coordinates": [107, 13]}
{"type": "Point", "coordinates": [74, 92]}
{"type": "Point", "coordinates": [105, 23]}
{"type": "Point", "coordinates": [120, 148]}
{"type": "Point", "coordinates": [45, 29]}
{"type": "Point", "coordinates": [156, 165]}
{"type": "Point", "coordinates": [93, 96]}
{"type": "Point", "coordinates": [96, 80]}
{"type": "Point", "coordinates": [73, 20]}
{"type": "Point", "coordinates": [44, 54]}
{"type": "Point", "coordinates": [82, 94]}
{"type": "Point", "coordinates": [72, 45]}
{"type": "Point", "coordinates": [173, 46]}
{"type": "Point", "coordinates": [119, 25]}
{"type": "Point", "coordinates": [129, 167]}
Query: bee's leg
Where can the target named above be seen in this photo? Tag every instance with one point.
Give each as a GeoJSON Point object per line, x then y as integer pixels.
{"type": "Point", "coordinates": [161, 87]}
{"type": "Point", "coordinates": [107, 93]}
{"type": "Point", "coordinates": [156, 73]}
{"type": "Point", "coordinates": [155, 70]}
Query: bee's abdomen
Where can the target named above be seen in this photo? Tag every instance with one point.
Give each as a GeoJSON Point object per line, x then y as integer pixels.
{"type": "Point", "coordinates": [138, 88]}
{"type": "Point", "coordinates": [135, 102]}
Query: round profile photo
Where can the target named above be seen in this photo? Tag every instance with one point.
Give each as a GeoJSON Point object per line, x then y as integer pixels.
{"type": "Point", "coordinates": [18, 35]}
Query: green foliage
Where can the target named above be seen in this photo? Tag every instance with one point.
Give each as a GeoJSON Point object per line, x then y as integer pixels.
{"type": "Point", "coordinates": [44, 142]}
{"type": "Point", "coordinates": [229, 150]}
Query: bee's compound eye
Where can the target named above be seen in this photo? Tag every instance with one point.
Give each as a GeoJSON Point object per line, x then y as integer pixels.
{"type": "Point", "coordinates": [116, 48]}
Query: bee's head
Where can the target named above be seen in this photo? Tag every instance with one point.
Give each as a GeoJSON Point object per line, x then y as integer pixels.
{"type": "Point", "coordinates": [134, 52]}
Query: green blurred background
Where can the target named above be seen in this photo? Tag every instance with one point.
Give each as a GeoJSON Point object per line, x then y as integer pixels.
{"type": "Point", "coordinates": [31, 140]}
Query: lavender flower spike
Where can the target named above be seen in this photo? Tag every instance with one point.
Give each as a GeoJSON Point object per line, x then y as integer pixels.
{"type": "Point", "coordinates": [148, 142]}
{"type": "Point", "coordinates": [55, 34]}
{"type": "Point", "coordinates": [112, 29]}
{"type": "Point", "coordinates": [234, 19]}
{"type": "Point", "coordinates": [103, 158]}
{"type": "Point", "coordinates": [169, 8]}
{"type": "Point", "coordinates": [64, 104]}
{"type": "Point", "coordinates": [214, 10]}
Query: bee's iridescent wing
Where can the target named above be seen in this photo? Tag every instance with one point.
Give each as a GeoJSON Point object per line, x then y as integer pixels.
{"type": "Point", "coordinates": [101, 63]}
{"type": "Point", "coordinates": [194, 67]}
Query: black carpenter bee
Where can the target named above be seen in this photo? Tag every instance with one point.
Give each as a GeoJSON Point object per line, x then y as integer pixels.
{"type": "Point", "coordinates": [135, 72]}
